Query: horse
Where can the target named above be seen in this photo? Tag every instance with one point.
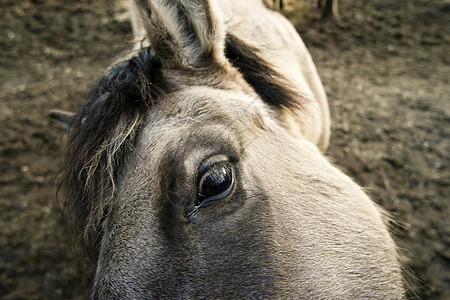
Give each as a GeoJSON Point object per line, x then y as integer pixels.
{"type": "Point", "coordinates": [195, 168]}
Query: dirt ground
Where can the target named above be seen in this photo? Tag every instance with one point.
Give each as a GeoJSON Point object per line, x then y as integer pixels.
{"type": "Point", "coordinates": [384, 64]}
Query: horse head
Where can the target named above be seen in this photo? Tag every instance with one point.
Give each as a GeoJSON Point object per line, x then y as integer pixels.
{"type": "Point", "coordinates": [193, 168]}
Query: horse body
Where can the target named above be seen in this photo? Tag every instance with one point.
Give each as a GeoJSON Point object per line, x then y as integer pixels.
{"type": "Point", "coordinates": [206, 180]}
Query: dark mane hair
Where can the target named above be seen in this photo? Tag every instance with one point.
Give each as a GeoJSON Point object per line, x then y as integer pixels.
{"type": "Point", "coordinates": [273, 88]}
{"type": "Point", "coordinates": [101, 135]}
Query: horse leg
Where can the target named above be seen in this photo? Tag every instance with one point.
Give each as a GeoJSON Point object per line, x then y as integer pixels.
{"type": "Point", "coordinates": [329, 8]}
{"type": "Point", "coordinates": [136, 23]}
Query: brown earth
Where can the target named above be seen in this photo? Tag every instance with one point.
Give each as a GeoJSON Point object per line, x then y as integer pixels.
{"type": "Point", "coordinates": [384, 64]}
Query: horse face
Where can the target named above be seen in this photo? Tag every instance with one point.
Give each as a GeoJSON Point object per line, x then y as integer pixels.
{"type": "Point", "coordinates": [283, 222]}
{"type": "Point", "coordinates": [186, 180]}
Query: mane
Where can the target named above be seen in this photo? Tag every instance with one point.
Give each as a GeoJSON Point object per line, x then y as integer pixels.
{"type": "Point", "coordinates": [273, 88]}
{"type": "Point", "coordinates": [102, 134]}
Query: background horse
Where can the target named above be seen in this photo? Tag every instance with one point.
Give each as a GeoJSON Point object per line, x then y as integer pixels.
{"type": "Point", "coordinates": [193, 169]}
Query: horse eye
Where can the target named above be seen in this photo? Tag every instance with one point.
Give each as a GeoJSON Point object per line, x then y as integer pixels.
{"type": "Point", "coordinates": [215, 183]}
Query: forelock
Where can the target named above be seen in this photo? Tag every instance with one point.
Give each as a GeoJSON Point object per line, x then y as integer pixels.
{"type": "Point", "coordinates": [102, 135]}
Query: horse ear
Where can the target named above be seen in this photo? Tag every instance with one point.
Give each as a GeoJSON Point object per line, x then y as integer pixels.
{"type": "Point", "coordinates": [64, 117]}
{"type": "Point", "coordinates": [184, 33]}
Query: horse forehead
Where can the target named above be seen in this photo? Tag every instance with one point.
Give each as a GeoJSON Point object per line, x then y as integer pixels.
{"type": "Point", "coordinates": [200, 106]}
{"type": "Point", "coordinates": [228, 103]}
{"type": "Point", "coordinates": [201, 119]}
